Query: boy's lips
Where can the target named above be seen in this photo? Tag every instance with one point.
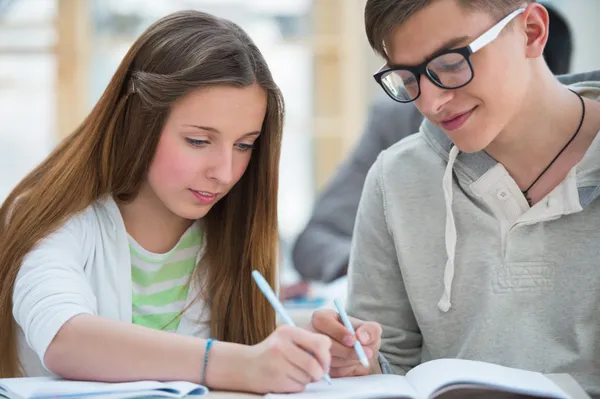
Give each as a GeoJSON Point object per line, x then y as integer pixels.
{"type": "Point", "coordinates": [456, 121]}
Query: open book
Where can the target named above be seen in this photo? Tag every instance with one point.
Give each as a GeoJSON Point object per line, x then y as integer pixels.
{"type": "Point", "coordinates": [52, 388]}
{"type": "Point", "coordinates": [443, 378]}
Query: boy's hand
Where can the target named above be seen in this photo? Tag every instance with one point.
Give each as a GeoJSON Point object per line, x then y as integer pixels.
{"type": "Point", "coordinates": [344, 361]}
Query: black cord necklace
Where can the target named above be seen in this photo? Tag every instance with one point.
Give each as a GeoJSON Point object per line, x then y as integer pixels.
{"type": "Point", "coordinates": [526, 192]}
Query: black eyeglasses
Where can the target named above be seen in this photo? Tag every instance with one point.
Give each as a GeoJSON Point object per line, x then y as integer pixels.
{"type": "Point", "coordinates": [448, 69]}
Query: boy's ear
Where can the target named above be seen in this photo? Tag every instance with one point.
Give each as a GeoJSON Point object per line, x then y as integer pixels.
{"type": "Point", "coordinates": [536, 27]}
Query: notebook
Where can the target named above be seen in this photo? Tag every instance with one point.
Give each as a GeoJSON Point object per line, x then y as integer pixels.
{"type": "Point", "coordinates": [53, 388]}
{"type": "Point", "coordinates": [442, 378]}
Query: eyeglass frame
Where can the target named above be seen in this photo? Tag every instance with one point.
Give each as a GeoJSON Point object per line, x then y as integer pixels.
{"type": "Point", "coordinates": [418, 70]}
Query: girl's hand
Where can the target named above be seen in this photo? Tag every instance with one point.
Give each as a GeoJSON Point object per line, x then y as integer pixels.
{"type": "Point", "coordinates": [288, 360]}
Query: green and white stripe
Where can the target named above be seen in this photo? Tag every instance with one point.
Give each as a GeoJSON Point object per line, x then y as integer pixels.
{"type": "Point", "coordinates": [161, 281]}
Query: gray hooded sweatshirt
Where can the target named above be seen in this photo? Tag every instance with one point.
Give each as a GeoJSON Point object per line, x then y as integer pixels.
{"type": "Point", "coordinates": [453, 263]}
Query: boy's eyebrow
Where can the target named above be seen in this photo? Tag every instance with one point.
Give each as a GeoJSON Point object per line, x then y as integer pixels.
{"type": "Point", "coordinates": [214, 130]}
{"type": "Point", "coordinates": [448, 44]}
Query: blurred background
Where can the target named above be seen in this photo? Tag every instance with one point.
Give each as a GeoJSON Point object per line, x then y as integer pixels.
{"type": "Point", "coordinates": [56, 57]}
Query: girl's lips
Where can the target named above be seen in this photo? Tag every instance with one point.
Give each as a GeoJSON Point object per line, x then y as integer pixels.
{"type": "Point", "coordinates": [204, 197]}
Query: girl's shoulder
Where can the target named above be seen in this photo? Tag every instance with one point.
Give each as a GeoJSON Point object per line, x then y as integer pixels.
{"type": "Point", "coordinates": [91, 226]}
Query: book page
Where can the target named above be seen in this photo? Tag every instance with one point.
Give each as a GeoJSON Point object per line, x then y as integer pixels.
{"type": "Point", "coordinates": [52, 387]}
{"type": "Point", "coordinates": [367, 387]}
{"type": "Point", "coordinates": [462, 391]}
{"type": "Point", "coordinates": [429, 377]}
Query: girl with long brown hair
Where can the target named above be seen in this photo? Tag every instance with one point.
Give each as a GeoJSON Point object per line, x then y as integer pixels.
{"type": "Point", "coordinates": [127, 254]}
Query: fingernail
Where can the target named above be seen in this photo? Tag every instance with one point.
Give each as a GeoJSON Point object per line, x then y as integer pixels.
{"type": "Point", "coordinates": [348, 340]}
{"type": "Point", "coordinates": [364, 338]}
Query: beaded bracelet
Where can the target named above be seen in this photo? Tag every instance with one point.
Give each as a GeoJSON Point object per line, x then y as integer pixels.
{"type": "Point", "coordinates": [208, 346]}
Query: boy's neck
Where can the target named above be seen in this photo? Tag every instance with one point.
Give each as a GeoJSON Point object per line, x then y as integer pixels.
{"type": "Point", "coordinates": [549, 116]}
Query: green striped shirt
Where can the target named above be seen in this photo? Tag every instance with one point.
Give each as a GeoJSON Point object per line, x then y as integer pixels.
{"type": "Point", "coordinates": [161, 281]}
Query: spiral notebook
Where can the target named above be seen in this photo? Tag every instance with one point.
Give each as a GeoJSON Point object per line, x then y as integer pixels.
{"type": "Point", "coordinates": [53, 388]}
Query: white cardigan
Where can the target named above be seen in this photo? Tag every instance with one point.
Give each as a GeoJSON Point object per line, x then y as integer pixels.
{"type": "Point", "coordinates": [83, 267]}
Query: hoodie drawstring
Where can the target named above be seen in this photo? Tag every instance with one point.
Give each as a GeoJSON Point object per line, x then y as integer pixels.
{"type": "Point", "coordinates": [450, 235]}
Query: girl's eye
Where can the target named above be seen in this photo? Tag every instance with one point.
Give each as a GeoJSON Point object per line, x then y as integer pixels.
{"type": "Point", "coordinates": [245, 147]}
{"type": "Point", "coordinates": [195, 142]}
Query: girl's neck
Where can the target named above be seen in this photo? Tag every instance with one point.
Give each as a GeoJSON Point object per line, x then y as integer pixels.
{"type": "Point", "coordinates": [152, 225]}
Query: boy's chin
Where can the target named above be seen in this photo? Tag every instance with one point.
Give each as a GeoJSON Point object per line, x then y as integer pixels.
{"type": "Point", "coordinates": [469, 147]}
{"type": "Point", "coordinates": [470, 142]}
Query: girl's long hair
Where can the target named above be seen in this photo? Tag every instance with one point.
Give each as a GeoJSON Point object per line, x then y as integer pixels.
{"type": "Point", "coordinates": [110, 154]}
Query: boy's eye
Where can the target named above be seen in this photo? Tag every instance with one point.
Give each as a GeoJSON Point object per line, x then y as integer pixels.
{"type": "Point", "coordinates": [409, 81]}
{"type": "Point", "coordinates": [448, 64]}
{"type": "Point", "coordinates": [454, 67]}
{"type": "Point", "coordinates": [196, 142]}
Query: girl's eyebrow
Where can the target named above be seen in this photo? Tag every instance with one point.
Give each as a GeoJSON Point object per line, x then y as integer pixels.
{"type": "Point", "coordinates": [214, 130]}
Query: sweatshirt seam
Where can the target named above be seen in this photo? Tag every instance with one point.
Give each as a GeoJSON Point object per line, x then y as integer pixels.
{"type": "Point", "coordinates": [383, 193]}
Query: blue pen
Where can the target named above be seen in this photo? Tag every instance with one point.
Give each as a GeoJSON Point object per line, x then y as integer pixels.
{"type": "Point", "coordinates": [272, 298]}
{"type": "Point", "coordinates": [357, 346]}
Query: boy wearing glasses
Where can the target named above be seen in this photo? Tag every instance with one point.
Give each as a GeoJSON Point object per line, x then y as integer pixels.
{"type": "Point", "coordinates": [322, 250]}
{"type": "Point", "coordinates": [485, 247]}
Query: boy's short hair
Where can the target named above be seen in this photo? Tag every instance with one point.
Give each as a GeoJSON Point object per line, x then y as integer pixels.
{"type": "Point", "coordinates": [383, 16]}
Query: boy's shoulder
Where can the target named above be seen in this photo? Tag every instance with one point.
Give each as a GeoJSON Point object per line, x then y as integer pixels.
{"type": "Point", "coordinates": [588, 76]}
{"type": "Point", "coordinates": [414, 155]}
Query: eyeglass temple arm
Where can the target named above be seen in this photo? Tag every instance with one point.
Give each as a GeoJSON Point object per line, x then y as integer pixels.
{"type": "Point", "coordinates": [494, 31]}
{"type": "Point", "coordinates": [484, 39]}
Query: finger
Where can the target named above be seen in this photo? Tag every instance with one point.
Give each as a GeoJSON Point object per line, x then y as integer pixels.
{"type": "Point", "coordinates": [343, 351]}
{"type": "Point", "coordinates": [369, 333]}
{"type": "Point", "coordinates": [305, 367]}
{"type": "Point", "coordinates": [348, 371]}
{"type": "Point", "coordinates": [351, 357]}
{"type": "Point", "coordinates": [337, 362]}
{"type": "Point", "coordinates": [317, 344]}
{"type": "Point", "coordinates": [327, 321]}
{"type": "Point", "coordinates": [289, 385]}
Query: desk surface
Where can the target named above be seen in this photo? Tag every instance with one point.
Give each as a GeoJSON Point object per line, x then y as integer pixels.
{"type": "Point", "coordinates": [565, 381]}
{"type": "Point", "coordinates": [231, 395]}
